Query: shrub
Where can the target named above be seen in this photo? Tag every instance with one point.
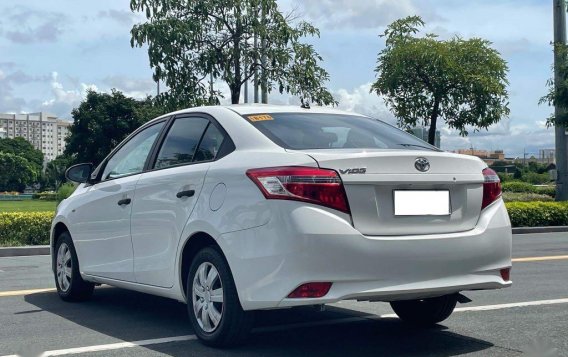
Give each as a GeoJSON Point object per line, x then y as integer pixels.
{"type": "Point", "coordinates": [535, 214]}
{"type": "Point", "coordinates": [546, 190]}
{"type": "Point", "coordinates": [536, 178]}
{"type": "Point", "coordinates": [24, 228]}
{"type": "Point", "coordinates": [525, 197]}
{"type": "Point", "coordinates": [65, 191]}
{"type": "Point", "coordinates": [518, 186]}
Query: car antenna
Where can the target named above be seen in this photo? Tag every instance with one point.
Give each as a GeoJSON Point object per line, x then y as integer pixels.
{"type": "Point", "coordinates": [305, 105]}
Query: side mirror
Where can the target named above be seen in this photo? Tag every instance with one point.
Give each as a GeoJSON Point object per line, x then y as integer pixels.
{"type": "Point", "coordinates": [79, 173]}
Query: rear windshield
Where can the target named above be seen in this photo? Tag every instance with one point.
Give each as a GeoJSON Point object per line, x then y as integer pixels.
{"type": "Point", "coordinates": [305, 131]}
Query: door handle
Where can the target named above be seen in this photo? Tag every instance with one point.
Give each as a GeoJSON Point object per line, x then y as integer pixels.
{"type": "Point", "coordinates": [188, 193]}
{"type": "Point", "coordinates": [124, 201]}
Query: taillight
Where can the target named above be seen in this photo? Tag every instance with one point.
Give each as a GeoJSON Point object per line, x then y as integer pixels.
{"type": "Point", "coordinates": [491, 187]}
{"type": "Point", "coordinates": [318, 186]}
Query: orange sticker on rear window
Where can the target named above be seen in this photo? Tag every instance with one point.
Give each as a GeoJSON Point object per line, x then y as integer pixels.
{"type": "Point", "coordinates": [261, 117]}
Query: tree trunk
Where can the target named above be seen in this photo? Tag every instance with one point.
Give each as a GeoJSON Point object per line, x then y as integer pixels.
{"type": "Point", "coordinates": [433, 119]}
{"type": "Point", "coordinates": [235, 94]}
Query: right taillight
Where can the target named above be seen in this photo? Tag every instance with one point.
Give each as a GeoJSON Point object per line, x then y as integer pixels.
{"type": "Point", "coordinates": [491, 187]}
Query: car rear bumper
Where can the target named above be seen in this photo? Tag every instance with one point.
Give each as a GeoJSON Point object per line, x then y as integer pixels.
{"type": "Point", "coordinates": [302, 244]}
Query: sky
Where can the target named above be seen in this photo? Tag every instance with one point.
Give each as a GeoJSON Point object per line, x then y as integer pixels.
{"type": "Point", "coordinates": [52, 52]}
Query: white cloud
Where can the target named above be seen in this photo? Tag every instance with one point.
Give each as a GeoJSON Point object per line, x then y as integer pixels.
{"type": "Point", "coordinates": [362, 13]}
{"type": "Point", "coordinates": [362, 100]}
{"type": "Point", "coordinates": [133, 87]}
{"type": "Point", "coordinates": [64, 100]}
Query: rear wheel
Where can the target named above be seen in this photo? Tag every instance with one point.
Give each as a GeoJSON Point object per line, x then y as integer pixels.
{"type": "Point", "coordinates": [70, 285]}
{"type": "Point", "coordinates": [425, 312]}
{"type": "Point", "coordinates": [213, 305]}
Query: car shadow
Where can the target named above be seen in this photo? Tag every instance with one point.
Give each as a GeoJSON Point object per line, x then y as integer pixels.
{"type": "Point", "coordinates": [132, 316]}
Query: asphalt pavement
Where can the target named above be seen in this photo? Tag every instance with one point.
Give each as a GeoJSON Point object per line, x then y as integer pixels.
{"type": "Point", "coordinates": [528, 319]}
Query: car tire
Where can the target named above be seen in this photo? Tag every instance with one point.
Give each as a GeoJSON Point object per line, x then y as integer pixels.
{"type": "Point", "coordinates": [425, 312]}
{"type": "Point", "coordinates": [217, 316]}
{"type": "Point", "coordinates": [70, 285]}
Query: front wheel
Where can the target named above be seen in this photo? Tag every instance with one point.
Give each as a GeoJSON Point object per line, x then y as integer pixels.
{"type": "Point", "coordinates": [425, 312]}
{"type": "Point", "coordinates": [70, 285]}
{"type": "Point", "coordinates": [213, 305]}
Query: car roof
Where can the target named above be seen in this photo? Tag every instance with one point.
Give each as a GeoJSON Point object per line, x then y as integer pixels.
{"type": "Point", "coordinates": [245, 109]}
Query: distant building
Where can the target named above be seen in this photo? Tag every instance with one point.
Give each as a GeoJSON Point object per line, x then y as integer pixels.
{"type": "Point", "coordinates": [3, 133]}
{"type": "Point", "coordinates": [547, 156]}
{"type": "Point", "coordinates": [44, 131]}
{"type": "Point", "coordinates": [422, 134]}
{"type": "Point", "coordinates": [488, 156]}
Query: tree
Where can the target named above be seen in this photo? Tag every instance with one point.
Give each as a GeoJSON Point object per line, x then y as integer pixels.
{"type": "Point", "coordinates": [16, 172]}
{"type": "Point", "coordinates": [424, 79]}
{"type": "Point", "coordinates": [21, 147]}
{"type": "Point", "coordinates": [102, 121]}
{"type": "Point", "coordinates": [193, 39]}
{"type": "Point", "coordinates": [558, 95]}
{"type": "Point", "coordinates": [54, 174]}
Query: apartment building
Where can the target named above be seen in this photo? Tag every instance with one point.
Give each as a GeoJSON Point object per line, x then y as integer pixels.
{"type": "Point", "coordinates": [44, 131]}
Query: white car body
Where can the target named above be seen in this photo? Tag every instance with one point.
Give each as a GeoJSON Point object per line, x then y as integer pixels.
{"type": "Point", "coordinates": [274, 246]}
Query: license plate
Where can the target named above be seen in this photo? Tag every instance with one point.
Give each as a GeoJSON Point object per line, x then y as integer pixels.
{"type": "Point", "coordinates": [421, 203]}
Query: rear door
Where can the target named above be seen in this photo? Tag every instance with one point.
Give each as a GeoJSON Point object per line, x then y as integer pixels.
{"type": "Point", "coordinates": [166, 195]}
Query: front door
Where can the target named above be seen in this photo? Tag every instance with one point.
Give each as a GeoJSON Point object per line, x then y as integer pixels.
{"type": "Point", "coordinates": [100, 224]}
{"type": "Point", "coordinates": [166, 196]}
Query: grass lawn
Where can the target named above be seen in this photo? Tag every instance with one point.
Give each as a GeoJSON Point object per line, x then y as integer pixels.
{"type": "Point", "coordinates": [27, 206]}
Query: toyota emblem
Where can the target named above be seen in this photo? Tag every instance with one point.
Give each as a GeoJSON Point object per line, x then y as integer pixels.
{"type": "Point", "coordinates": [422, 164]}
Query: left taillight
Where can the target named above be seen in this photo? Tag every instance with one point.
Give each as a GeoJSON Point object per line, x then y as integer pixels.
{"type": "Point", "coordinates": [491, 187]}
{"type": "Point", "coordinates": [307, 184]}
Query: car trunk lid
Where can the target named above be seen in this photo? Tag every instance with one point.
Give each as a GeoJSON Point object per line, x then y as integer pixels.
{"type": "Point", "coordinates": [371, 178]}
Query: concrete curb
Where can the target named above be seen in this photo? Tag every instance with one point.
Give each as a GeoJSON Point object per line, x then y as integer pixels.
{"type": "Point", "coordinates": [24, 251]}
{"type": "Point", "coordinates": [44, 249]}
{"type": "Point", "coordinates": [551, 229]}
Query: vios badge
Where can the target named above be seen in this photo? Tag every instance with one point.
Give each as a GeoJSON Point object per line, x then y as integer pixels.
{"type": "Point", "coordinates": [422, 164]}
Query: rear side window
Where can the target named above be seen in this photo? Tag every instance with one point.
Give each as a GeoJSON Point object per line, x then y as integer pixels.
{"type": "Point", "coordinates": [305, 131]}
{"type": "Point", "coordinates": [181, 142]}
{"type": "Point", "coordinates": [210, 144]}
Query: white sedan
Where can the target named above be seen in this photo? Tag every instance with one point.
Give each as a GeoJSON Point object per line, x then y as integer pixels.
{"type": "Point", "coordinates": [242, 208]}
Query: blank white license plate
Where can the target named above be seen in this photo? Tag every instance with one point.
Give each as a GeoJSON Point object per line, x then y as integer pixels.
{"type": "Point", "coordinates": [421, 203]}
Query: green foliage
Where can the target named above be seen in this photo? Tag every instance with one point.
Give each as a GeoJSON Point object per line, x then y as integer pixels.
{"type": "Point", "coordinates": [24, 228]}
{"type": "Point", "coordinates": [54, 174]}
{"type": "Point", "coordinates": [536, 178]}
{"type": "Point", "coordinates": [526, 197]}
{"type": "Point", "coordinates": [423, 79]}
{"type": "Point", "coordinates": [16, 172]}
{"type": "Point", "coordinates": [65, 191]}
{"type": "Point", "coordinates": [546, 190]}
{"type": "Point", "coordinates": [558, 95]}
{"type": "Point", "coordinates": [190, 40]}
{"type": "Point", "coordinates": [102, 121]}
{"type": "Point", "coordinates": [536, 214]}
{"type": "Point", "coordinates": [504, 177]}
{"type": "Point", "coordinates": [524, 187]}
{"type": "Point", "coordinates": [22, 147]}
{"type": "Point", "coordinates": [518, 186]}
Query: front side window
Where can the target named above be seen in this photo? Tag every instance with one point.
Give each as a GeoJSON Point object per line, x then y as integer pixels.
{"type": "Point", "coordinates": [181, 142]}
{"type": "Point", "coordinates": [305, 131]}
{"type": "Point", "coordinates": [131, 157]}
